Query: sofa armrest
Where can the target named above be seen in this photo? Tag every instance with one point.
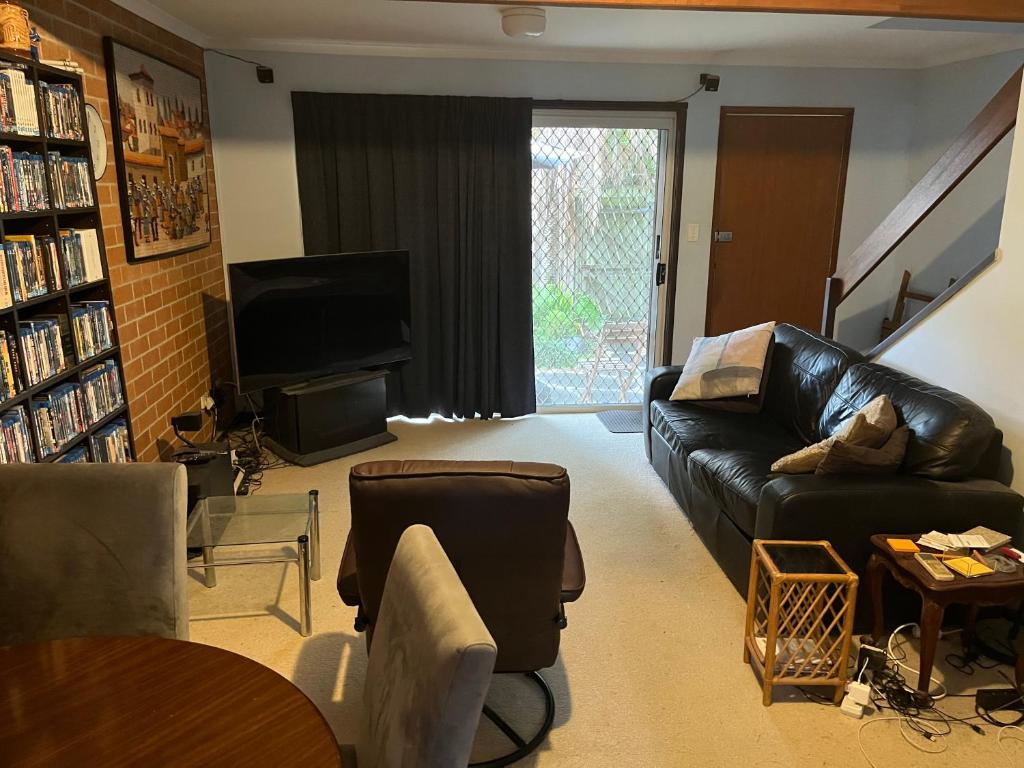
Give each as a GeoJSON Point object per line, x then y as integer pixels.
{"type": "Point", "coordinates": [657, 386]}
{"type": "Point", "coordinates": [847, 509]}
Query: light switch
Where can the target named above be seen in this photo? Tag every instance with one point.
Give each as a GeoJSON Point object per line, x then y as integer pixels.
{"type": "Point", "coordinates": [692, 233]}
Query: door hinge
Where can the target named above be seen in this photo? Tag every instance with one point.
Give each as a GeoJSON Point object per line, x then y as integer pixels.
{"type": "Point", "coordinates": [723, 237]}
{"type": "Point", "coordinates": [661, 273]}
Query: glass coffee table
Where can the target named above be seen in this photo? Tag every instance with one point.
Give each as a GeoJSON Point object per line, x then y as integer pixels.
{"type": "Point", "coordinates": [243, 521]}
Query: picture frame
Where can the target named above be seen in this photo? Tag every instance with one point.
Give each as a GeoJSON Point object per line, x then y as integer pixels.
{"type": "Point", "coordinates": [160, 139]}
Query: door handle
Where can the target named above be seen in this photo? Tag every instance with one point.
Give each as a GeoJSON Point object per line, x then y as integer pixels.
{"type": "Point", "coordinates": [723, 237]}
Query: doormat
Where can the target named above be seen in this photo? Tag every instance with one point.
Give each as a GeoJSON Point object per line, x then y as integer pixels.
{"type": "Point", "coordinates": [622, 421]}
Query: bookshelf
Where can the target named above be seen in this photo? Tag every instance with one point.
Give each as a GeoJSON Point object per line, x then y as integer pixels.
{"type": "Point", "coordinates": [58, 302]}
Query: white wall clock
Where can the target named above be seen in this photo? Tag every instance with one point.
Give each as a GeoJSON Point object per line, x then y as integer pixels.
{"type": "Point", "coordinates": [97, 141]}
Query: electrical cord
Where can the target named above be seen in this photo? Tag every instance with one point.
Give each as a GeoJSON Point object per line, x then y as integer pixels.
{"type": "Point", "coordinates": [232, 56]}
{"type": "Point", "coordinates": [1002, 732]}
{"type": "Point", "coordinates": [689, 96]}
{"type": "Point", "coordinates": [890, 691]}
{"type": "Point", "coordinates": [907, 667]}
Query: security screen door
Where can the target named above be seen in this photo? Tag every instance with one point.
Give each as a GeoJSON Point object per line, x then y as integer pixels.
{"type": "Point", "coordinates": [599, 191]}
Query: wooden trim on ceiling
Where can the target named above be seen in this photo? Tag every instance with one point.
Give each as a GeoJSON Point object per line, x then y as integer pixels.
{"type": "Point", "coordinates": [968, 10]}
{"type": "Point", "coordinates": [678, 108]}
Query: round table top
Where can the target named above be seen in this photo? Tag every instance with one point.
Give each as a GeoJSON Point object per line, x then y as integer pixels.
{"type": "Point", "coordinates": [115, 701]}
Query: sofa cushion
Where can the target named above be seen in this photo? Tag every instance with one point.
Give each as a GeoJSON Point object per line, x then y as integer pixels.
{"type": "Point", "coordinates": [734, 479]}
{"type": "Point", "coordinates": [949, 433]}
{"type": "Point", "coordinates": [727, 367]}
{"type": "Point", "coordinates": [688, 427]}
{"type": "Point", "coordinates": [805, 370]}
{"type": "Point", "coordinates": [870, 427]}
{"type": "Point", "coordinates": [846, 458]}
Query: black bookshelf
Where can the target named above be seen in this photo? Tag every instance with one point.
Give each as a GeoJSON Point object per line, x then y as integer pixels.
{"type": "Point", "coordinates": [50, 222]}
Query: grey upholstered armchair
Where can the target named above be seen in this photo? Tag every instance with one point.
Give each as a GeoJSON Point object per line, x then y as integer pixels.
{"type": "Point", "coordinates": [92, 549]}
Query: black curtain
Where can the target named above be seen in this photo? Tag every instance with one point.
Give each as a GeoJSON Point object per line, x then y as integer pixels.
{"type": "Point", "coordinates": [447, 178]}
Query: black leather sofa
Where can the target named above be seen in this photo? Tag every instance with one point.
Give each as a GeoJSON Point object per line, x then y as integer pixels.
{"type": "Point", "coordinates": [717, 463]}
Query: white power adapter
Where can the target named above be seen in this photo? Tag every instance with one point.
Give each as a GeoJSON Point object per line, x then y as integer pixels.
{"type": "Point", "coordinates": [858, 697]}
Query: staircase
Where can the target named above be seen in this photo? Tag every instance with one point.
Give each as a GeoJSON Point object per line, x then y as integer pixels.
{"type": "Point", "coordinates": [994, 122]}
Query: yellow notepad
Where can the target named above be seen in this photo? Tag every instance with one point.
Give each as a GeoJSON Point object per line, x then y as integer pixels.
{"type": "Point", "coordinates": [967, 566]}
{"type": "Point", "coordinates": [902, 545]}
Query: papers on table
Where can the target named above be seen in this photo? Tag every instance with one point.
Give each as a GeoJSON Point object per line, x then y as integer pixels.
{"type": "Point", "coordinates": [936, 540]}
{"type": "Point", "coordinates": [978, 537]}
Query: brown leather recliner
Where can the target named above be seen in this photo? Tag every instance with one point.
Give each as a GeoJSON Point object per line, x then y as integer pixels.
{"type": "Point", "coordinates": [505, 527]}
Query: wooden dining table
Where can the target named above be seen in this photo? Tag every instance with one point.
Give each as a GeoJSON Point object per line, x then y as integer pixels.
{"type": "Point", "coordinates": [150, 701]}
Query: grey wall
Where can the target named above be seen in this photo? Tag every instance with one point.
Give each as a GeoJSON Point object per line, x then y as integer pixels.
{"type": "Point", "coordinates": [965, 227]}
{"type": "Point", "coordinates": [972, 343]}
{"type": "Point", "coordinates": [254, 152]}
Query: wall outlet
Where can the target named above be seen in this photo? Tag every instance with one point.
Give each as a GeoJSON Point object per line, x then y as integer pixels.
{"type": "Point", "coordinates": [206, 403]}
{"type": "Point", "coordinates": [692, 233]}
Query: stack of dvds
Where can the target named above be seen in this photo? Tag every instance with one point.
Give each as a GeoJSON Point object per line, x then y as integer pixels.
{"type": "Point", "coordinates": [72, 182]}
{"type": "Point", "coordinates": [110, 444]}
{"type": "Point", "coordinates": [42, 348]}
{"type": "Point", "coordinates": [10, 367]}
{"type": "Point", "coordinates": [17, 101]}
{"type": "Point", "coordinates": [26, 257]}
{"type": "Point", "coordinates": [101, 391]}
{"type": "Point", "coordinates": [92, 326]}
{"type": "Point", "coordinates": [15, 442]}
{"type": "Point", "coordinates": [63, 111]}
{"type": "Point", "coordinates": [76, 455]}
{"type": "Point", "coordinates": [82, 261]}
{"type": "Point", "coordinates": [59, 417]}
{"type": "Point", "coordinates": [24, 181]}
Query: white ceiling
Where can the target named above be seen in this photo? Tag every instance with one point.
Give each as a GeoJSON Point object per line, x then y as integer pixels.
{"type": "Point", "coordinates": [401, 28]}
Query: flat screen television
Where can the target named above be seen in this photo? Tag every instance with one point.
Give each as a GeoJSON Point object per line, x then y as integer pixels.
{"type": "Point", "coordinates": [304, 318]}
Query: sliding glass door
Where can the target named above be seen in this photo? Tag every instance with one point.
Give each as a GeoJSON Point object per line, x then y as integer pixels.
{"type": "Point", "coordinates": [599, 191]}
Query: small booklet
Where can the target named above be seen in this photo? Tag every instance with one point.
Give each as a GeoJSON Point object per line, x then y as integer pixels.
{"type": "Point", "coordinates": [967, 566]}
{"type": "Point", "coordinates": [989, 539]}
{"type": "Point", "coordinates": [978, 537]}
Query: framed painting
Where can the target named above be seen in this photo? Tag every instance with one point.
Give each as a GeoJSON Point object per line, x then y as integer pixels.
{"type": "Point", "coordinates": [160, 139]}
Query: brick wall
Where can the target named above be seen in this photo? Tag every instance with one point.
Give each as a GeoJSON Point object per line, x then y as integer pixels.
{"type": "Point", "coordinates": [170, 312]}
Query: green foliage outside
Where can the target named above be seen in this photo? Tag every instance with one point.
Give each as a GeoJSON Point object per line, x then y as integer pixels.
{"type": "Point", "coordinates": [564, 326]}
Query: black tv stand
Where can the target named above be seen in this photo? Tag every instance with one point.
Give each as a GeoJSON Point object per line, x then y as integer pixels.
{"type": "Point", "coordinates": [327, 418]}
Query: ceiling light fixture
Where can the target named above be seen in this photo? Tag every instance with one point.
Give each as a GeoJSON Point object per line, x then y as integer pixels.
{"type": "Point", "coordinates": [523, 22]}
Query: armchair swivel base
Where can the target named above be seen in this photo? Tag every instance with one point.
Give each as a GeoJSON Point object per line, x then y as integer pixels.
{"type": "Point", "coordinates": [523, 747]}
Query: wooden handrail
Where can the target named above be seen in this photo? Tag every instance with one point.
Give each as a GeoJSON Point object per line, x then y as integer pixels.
{"type": "Point", "coordinates": [994, 122]}
{"type": "Point", "coordinates": [932, 306]}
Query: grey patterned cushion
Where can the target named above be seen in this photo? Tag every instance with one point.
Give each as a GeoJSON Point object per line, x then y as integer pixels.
{"type": "Point", "coordinates": [731, 365]}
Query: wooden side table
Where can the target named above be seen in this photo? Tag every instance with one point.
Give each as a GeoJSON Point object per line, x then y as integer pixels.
{"type": "Point", "coordinates": [992, 589]}
{"type": "Point", "coordinates": [800, 607]}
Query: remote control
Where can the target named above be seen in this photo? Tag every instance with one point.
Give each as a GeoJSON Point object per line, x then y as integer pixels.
{"type": "Point", "coordinates": [935, 567]}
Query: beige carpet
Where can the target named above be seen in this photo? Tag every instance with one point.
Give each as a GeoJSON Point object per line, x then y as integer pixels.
{"type": "Point", "coordinates": [650, 672]}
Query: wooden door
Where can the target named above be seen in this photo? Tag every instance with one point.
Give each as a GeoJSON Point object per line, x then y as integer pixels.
{"type": "Point", "coordinates": [778, 210]}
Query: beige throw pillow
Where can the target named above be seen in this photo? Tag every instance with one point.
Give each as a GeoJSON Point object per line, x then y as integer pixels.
{"type": "Point", "coordinates": [870, 427]}
{"type": "Point", "coordinates": [731, 365]}
{"type": "Point", "coordinates": [847, 459]}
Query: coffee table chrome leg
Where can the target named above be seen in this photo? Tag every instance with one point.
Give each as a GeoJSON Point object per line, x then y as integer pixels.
{"type": "Point", "coordinates": [209, 574]}
{"type": "Point", "coordinates": [305, 605]}
{"type": "Point", "coordinates": [314, 535]}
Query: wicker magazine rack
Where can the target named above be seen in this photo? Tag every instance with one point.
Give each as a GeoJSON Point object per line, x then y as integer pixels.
{"type": "Point", "coordinates": [800, 607]}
